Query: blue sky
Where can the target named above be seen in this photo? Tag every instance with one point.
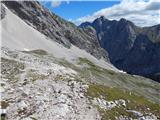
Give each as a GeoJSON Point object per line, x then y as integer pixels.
{"type": "Point", "coordinates": [141, 12]}
{"type": "Point", "coordinates": [76, 9]}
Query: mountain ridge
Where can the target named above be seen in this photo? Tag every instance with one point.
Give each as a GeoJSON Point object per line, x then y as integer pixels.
{"type": "Point", "coordinates": [130, 48]}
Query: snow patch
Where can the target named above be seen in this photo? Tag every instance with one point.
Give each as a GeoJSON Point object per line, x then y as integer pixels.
{"type": "Point", "coordinates": [25, 49]}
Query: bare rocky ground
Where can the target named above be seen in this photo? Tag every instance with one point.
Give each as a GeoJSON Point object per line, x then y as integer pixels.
{"type": "Point", "coordinates": [42, 90]}
{"type": "Point", "coordinates": [37, 86]}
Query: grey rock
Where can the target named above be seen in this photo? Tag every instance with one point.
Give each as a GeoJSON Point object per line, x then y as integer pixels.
{"type": "Point", "coordinates": [3, 13]}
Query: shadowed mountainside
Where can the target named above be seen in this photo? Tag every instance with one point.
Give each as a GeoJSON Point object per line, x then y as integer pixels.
{"type": "Point", "coordinates": [133, 49]}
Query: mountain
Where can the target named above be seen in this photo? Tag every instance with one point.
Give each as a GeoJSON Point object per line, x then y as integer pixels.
{"type": "Point", "coordinates": [42, 78]}
{"type": "Point", "coordinates": [55, 27]}
{"type": "Point", "coordinates": [133, 49]}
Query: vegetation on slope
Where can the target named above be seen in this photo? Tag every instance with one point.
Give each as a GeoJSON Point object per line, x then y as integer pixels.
{"type": "Point", "coordinates": [136, 91]}
{"type": "Point", "coordinates": [134, 102]}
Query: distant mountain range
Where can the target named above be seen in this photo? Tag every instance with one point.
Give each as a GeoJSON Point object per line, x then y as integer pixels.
{"type": "Point", "coordinates": [130, 48]}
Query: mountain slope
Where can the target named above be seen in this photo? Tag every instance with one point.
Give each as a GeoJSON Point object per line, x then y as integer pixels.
{"type": "Point", "coordinates": [130, 48]}
{"type": "Point", "coordinates": [43, 80]}
{"type": "Point", "coordinates": [56, 28]}
{"type": "Point", "coordinates": [37, 86]}
{"type": "Point", "coordinates": [18, 35]}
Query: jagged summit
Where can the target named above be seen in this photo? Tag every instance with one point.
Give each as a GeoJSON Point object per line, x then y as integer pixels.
{"type": "Point", "coordinates": [130, 48]}
{"type": "Point", "coordinates": [102, 18]}
{"type": "Point", "coordinates": [105, 20]}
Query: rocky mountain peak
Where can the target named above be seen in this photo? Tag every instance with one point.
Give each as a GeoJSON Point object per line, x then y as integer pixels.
{"type": "Point", "coordinates": [100, 21]}
{"type": "Point", "coordinates": [123, 20]}
{"type": "Point", "coordinates": [130, 48]}
{"type": "Point", "coordinates": [102, 18]}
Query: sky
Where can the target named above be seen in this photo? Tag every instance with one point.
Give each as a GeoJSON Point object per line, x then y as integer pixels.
{"type": "Point", "coordinates": [141, 12]}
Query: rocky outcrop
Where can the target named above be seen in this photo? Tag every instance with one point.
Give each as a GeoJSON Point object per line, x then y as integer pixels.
{"type": "Point", "coordinates": [130, 48]}
{"type": "Point", "coordinates": [56, 28]}
{"type": "Point", "coordinates": [2, 11]}
{"type": "Point", "coordinates": [109, 104]}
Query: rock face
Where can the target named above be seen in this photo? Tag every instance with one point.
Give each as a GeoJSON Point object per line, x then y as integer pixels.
{"type": "Point", "coordinates": [56, 28]}
{"type": "Point", "coordinates": [2, 11]}
{"type": "Point", "coordinates": [130, 48]}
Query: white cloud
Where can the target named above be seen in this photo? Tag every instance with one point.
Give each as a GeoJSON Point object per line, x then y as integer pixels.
{"type": "Point", "coordinates": [67, 1]}
{"type": "Point", "coordinates": [141, 12]}
{"type": "Point", "coordinates": [55, 3]}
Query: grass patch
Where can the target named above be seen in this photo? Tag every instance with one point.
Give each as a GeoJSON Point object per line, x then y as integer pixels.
{"type": "Point", "coordinates": [67, 64]}
{"type": "Point", "coordinates": [142, 84]}
{"type": "Point", "coordinates": [3, 118]}
{"type": "Point", "coordinates": [38, 52]}
{"type": "Point", "coordinates": [94, 68]}
{"type": "Point", "coordinates": [135, 102]}
{"type": "Point", "coordinates": [4, 104]}
{"type": "Point", "coordinates": [33, 118]}
{"type": "Point", "coordinates": [33, 75]}
{"type": "Point", "coordinates": [10, 68]}
{"type": "Point", "coordinates": [138, 85]}
{"type": "Point", "coordinates": [115, 112]}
